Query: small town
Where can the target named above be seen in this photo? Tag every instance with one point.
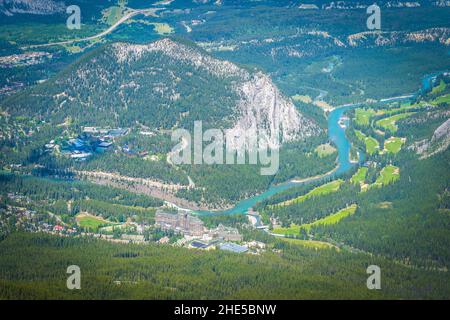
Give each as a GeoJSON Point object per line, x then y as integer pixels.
{"type": "Point", "coordinates": [181, 229]}
{"type": "Point", "coordinates": [24, 59]}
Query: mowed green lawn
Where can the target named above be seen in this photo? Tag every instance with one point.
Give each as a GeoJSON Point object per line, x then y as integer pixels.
{"type": "Point", "coordinates": [314, 244]}
{"type": "Point", "coordinates": [91, 222]}
{"type": "Point", "coordinates": [361, 136]}
{"type": "Point", "coordinates": [393, 144]}
{"type": "Point", "coordinates": [329, 187]}
{"type": "Point", "coordinates": [388, 174]}
{"type": "Point", "coordinates": [362, 116]}
{"type": "Point", "coordinates": [371, 143]}
{"type": "Point", "coordinates": [440, 88]}
{"type": "Point", "coordinates": [441, 99]}
{"type": "Point", "coordinates": [390, 123]}
{"type": "Point", "coordinates": [331, 219]}
{"type": "Point", "coordinates": [294, 229]}
{"type": "Point", "coordinates": [360, 176]}
{"type": "Point", "coordinates": [404, 107]}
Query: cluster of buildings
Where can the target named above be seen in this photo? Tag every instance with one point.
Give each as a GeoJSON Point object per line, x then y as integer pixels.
{"type": "Point", "coordinates": [225, 233]}
{"type": "Point", "coordinates": [14, 217]}
{"type": "Point", "coordinates": [24, 59]}
{"type": "Point", "coordinates": [105, 133]}
{"type": "Point", "coordinates": [124, 238]}
{"type": "Point", "coordinates": [97, 140]}
{"type": "Point", "coordinates": [197, 236]}
{"type": "Point", "coordinates": [191, 226]}
{"type": "Point", "coordinates": [181, 222]}
{"type": "Point", "coordinates": [92, 140]}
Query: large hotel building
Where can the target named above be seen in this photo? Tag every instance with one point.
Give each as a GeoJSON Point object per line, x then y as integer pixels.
{"type": "Point", "coordinates": [181, 222]}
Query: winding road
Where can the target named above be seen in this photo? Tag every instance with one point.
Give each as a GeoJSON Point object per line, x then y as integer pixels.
{"type": "Point", "coordinates": [151, 11]}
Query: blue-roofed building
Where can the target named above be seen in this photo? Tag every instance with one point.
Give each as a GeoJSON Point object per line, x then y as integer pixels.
{"type": "Point", "coordinates": [233, 247]}
{"type": "Point", "coordinates": [199, 245]}
{"type": "Point", "coordinates": [86, 144]}
{"type": "Point", "coordinates": [78, 143]}
{"type": "Point", "coordinates": [104, 144]}
{"type": "Point", "coordinates": [196, 244]}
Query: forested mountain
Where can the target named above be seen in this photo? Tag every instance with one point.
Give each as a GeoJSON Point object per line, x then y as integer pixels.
{"type": "Point", "coordinates": [400, 192]}
{"type": "Point", "coordinates": [157, 87]}
{"type": "Point", "coordinates": [164, 84]}
{"type": "Point", "coordinates": [88, 175]}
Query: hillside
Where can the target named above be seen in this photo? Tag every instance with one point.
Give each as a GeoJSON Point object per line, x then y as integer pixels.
{"type": "Point", "coordinates": [162, 85]}
{"type": "Point", "coordinates": [104, 165]}
{"type": "Point", "coordinates": [152, 89]}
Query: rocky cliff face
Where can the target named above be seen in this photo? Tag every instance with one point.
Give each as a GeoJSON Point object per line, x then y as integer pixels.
{"type": "Point", "coordinates": [439, 142]}
{"type": "Point", "coordinates": [260, 105]}
{"type": "Point", "coordinates": [263, 108]}
{"type": "Point", "coordinates": [165, 84]}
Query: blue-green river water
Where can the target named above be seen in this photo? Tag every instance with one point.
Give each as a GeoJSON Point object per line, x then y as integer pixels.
{"type": "Point", "coordinates": [336, 134]}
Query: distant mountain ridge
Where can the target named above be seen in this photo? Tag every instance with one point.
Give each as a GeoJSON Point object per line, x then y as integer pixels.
{"type": "Point", "coordinates": [35, 7]}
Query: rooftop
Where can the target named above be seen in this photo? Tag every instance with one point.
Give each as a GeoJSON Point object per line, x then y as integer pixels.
{"type": "Point", "coordinates": [199, 245]}
{"type": "Point", "coordinates": [229, 246]}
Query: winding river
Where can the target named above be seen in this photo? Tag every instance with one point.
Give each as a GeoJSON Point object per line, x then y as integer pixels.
{"type": "Point", "coordinates": [336, 134]}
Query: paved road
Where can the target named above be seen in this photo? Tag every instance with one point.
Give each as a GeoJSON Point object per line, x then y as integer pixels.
{"type": "Point", "coordinates": [151, 11]}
